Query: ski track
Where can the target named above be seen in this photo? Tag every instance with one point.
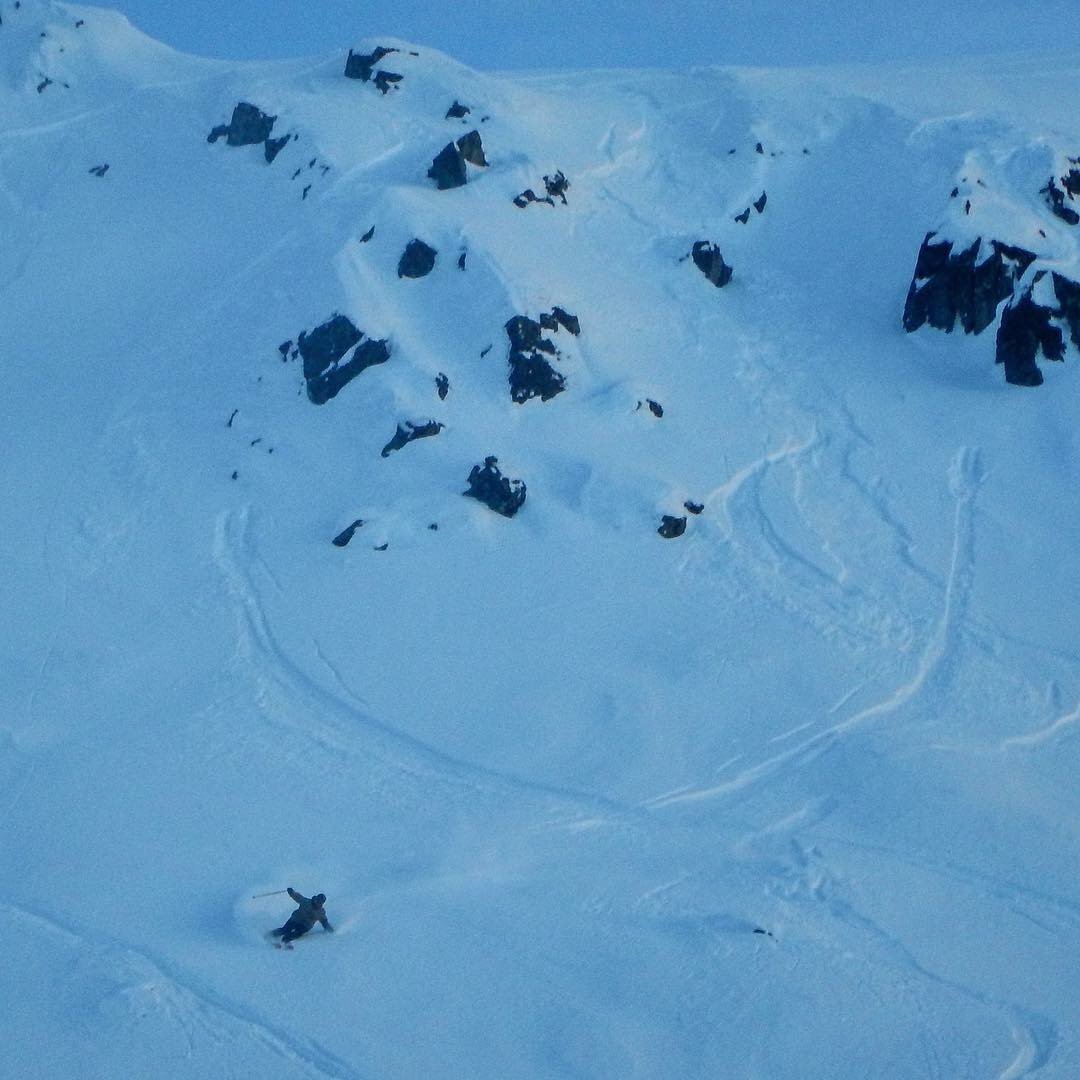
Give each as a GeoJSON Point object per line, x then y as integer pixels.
{"type": "Point", "coordinates": [189, 1001]}
{"type": "Point", "coordinates": [934, 662]}
{"type": "Point", "coordinates": [339, 724]}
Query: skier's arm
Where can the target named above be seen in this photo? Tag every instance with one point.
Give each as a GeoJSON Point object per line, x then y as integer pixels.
{"type": "Point", "coordinates": [298, 897]}
{"type": "Point", "coordinates": [326, 924]}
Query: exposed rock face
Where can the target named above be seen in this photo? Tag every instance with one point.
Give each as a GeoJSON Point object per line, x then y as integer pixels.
{"type": "Point", "coordinates": [671, 527]}
{"type": "Point", "coordinates": [323, 350]}
{"type": "Point", "coordinates": [442, 385]}
{"type": "Point", "coordinates": [457, 111]}
{"type": "Point", "coordinates": [950, 285]}
{"type": "Point", "coordinates": [409, 432]}
{"type": "Point", "coordinates": [361, 65]}
{"type": "Point", "coordinates": [495, 491]}
{"type": "Point", "coordinates": [417, 260]}
{"type": "Point", "coordinates": [531, 373]}
{"type": "Point", "coordinates": [710, 262]}
{"type": "Point", "coordinates": [1026, 330]}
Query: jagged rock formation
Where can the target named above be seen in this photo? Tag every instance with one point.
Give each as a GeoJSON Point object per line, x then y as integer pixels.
{"type": "Point", "coordinates": [950, 285]}
{"type": "Point", "coordinates": [457, 111]}
{"type": "Point", "coordinates": [409, 432]}
{"type": "Point", "coordinates": [417, 260]}
{"type": "Point", "coordinates": [531, 373]}
{"type": "Point", "coordinates": [710, 262]}
{"type": "Point", "coordinates": [442, 385]}
{"type": "Point", "coordinates": [497, 492]}
{"type": "Point", "coordinates": [448, 167]}
{"type": "Point", "coordinates": [323, 349]}
{"type": "Point", "coordinates": [248, 127]}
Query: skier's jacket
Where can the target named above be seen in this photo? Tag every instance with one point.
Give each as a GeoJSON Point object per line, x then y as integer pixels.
{"type": "Point", "coordinates": [309, 912]}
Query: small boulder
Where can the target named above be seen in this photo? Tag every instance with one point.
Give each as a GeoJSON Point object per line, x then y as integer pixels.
{"type": "Point", "coordinates": [710, 262]}
{"type": "Point", "coordinates": [671, 527]}
{"type": "Point", "coordinates": [417, 260]}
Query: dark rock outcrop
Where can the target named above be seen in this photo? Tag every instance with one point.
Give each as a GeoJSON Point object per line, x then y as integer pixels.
{"type": "Point", "coordinates": [671, 527]}
{"type": "Point", "coordinates": [361, 65]}
{"type": "Point", "coordinates": [710, 262]}
{"type": "Point", "coordinates": [249, 125]}
{"type": "Point", "coordinates": [346, 534]}
{"type": "Point", "coordinates": [409, 432]}
{"type": "Point", "coordinates": [497, 492]}
{"type": "Point", "coordinates": [417, 260]}
{"type": "Point", "coordinates": [385, 81]}
{"type": "Point", "coordinates": [99, 170]}
{"type": "Point", "coordinates": [472, 148]}
{"type": "Point", "coordinates": [448, 168]}
{"type": "Point", "coordinates": [1026, 330]}
{"type": "Point", "coordinates": [1060, 198]}
{"type": "Point", "coordinates": [457, 111]}
{"type": "Point", "coordinates": [323, 350]}
{"type": "Point", "coordinates": [950, 285]}
{"type": "Point", "coordinates": [442, 385]}
{"type": "Point", "coordinates": [693, 507]}
{"type": "Point", "coordinates": [531, 373]}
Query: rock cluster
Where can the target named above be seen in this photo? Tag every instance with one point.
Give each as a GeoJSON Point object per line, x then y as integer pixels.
{"type": "Point", "coordinates": [531, 372]}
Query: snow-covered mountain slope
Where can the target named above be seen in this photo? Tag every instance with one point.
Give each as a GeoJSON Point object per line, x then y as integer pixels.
{"type": "Point", "coordinates": [788, 792]}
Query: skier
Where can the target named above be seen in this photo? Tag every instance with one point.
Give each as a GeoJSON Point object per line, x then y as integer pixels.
{"type": "Point", "coordinates": [308, 913]}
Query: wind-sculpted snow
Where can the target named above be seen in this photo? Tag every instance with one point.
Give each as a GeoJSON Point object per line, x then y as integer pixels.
{"type": "Point", "coordinates": [744, 745]}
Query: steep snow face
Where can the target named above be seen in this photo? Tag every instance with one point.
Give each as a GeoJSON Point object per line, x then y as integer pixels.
{"type": "Point", "coordinates": [727, 730]}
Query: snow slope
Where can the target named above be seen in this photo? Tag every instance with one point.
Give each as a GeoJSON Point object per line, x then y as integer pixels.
{"type": "Point", "coordinates": [791, 795]}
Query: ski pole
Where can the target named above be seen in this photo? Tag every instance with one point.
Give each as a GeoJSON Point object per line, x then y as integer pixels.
{"type": "Point", "coordinates": [277, 892]}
